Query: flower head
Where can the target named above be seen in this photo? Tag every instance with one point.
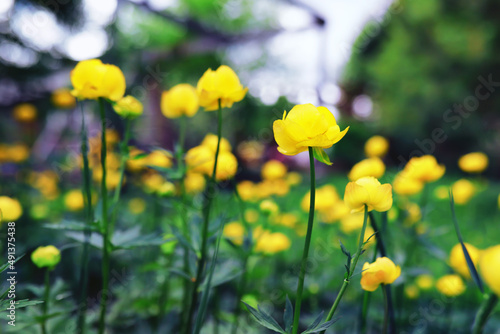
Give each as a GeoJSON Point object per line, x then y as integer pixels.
{"type": "Point", "coordinates": [463, 190]}
{"type": "Point", "coordinates": [270, 243]}
{"type": "Point", "coordinates": [382, 271]}
{"type": "Point", "coordinates": [194, 183]}
{"type": "Point", "coordinates": [376, 146]}
{"type": "Point", "coordinates": [367, 167]}
{"type": "Point", "coordinates": [180, 100]}
{"type": "Point", "coordinates": [73, 200]}
{"type": "Point", "coordinates": [273, 169]}
{"type": "Point", "coordinates": [489, 267]}
{"type": "Point", "coordinates": [10, 209]}
{"type": "Point", "coordinates": [128, 107]}
{"type": "Point", "coordinates": [235, 232]}
{"type": "Point", "coordinates": [201, 159]}
{"type": "Point", "coordinates": [24, 112]}
{"type": "Point", "coordinates": [92, 79]}
{"type": "Point", "coordinates": [457, 258]}
{"type": "Point", "coordinates": [48, 256]}
{"type": "Point", "coordinates": [306, 126]}
{"type": "Point", "coordinates": [222, 84]}
{"type": "Point", "coordinates": [326, 197]}
{"type": "Point", "coordinates": [368, 191]}
{"type": "Point", "coordinates": [450, 285]}
{"type": "Point", "coordinates": [62, 98]}
{"type": "Point", "coordinates": [424, 169]}
{"type": "Point", "coordinates": [475, 162]}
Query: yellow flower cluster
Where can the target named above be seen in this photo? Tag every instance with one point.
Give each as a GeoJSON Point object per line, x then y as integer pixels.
{"type": "Point", "coordinates": [46, 182]}
{"type": "Point", "coordinates": [382, 271]}
{"type": "Point", "coordinates": [15, 153]}
{"type": "Point", "coordinates": [417, 172]}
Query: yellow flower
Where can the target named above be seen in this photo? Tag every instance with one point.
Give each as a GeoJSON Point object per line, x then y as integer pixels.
{"type": "Point", "coordinates": [17, 153]}
{"type": "Point", "coordinates": [235, 232]}
{"type": "Point", "coordinates": [463, 190]}
{"type": "Point", "coordinates": [441, 192]}
{"type": "Point", "coordinates": [251, 216]}
{"type": "Point", "coordinates": [382, 271]}
{"type": "Point", "coordinates": [489, 267]}
{"type": "Point", "coordinates": [351, 222]}
{"type": "Point", "coordinates": [326, 197]}
{"type": "Point", "coordinates": [159, 158]}
{"type": "Point", "coordinates": [137, 161]}
{"type": "Point", "coordinates": [222, 84]}
{"type": "Point", "coordinates": [152, 182]}
{"type": "Point", "coordinates": [414, 214]}
{"type": "Point", "coordinates": [406, 186]}
{"type": "Point", "coordinates": [368, 191]}
{"type": "Point", "coordinates": [63, 99]}
{"type": "Point", "coordinates": [273, 169]}
{"type": "Point", "coordinates": [10, 209]}
{"type": "Point", "coordinates": [92, 79]}
{"type": "Point", "coordinates": [201, 159]}
{"type": "Point", "coordinates": [457, 259]}
{"type": "Point", "coordinates": [424, 282]}
{"type": "Point", "coordinates": [180, 100]}
{"type": "Point", "coordinates": [194, 183]}
{"type": "Point", "coordinates": [112, 177]}
{"type": "Point", "coordinates": [210, 141]}
{"type": "Point", "coordinates": [338, 211]}
{"type": "Point", "coordinates": [250, 152]}
{"type": "Point", "coordinates": [48, 256]}
{"type": "Point", "coordinates": [73, 200]}
{"type": "Point", "coordinates": [128, 107]}
{"type": "Point", "coordinates": [293, 178]}
{"type": "Point", "coordinates": [367, 167]}
{"type": "Point", "coordinates": [136, 205]}
{"type": "Point", "coordinates": [269, 207]}
{"type": "Point", "coordinates": [24, 112]}
{"type": "Point", "coordinates": [376, 146]}
{"type": "Point", "coordinates": [271, 243]}
{"type": "Point", "coordinates": [166, 189]}
{"type": "Point", "coordinates": [306, 126]}
{"type": "Point", "coordinates": [475, 162]}
{"type": "Point", "coordinates": [277, 187]}
{"type": "Point", "coordinates": [411, 291]}
{"type": "Point", "coordinates": [246, 190]}
{"type": "Point", "coordinates": [424, 169]}
{"type": "Point", "coordinates": [450, 285]}
{"type": "Point", "coordinates": [286, 219]}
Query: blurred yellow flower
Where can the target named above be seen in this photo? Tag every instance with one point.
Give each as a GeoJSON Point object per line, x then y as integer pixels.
{"type": "Point", "coordinates": [246, 190]}
{"type": "Point", "coordinates": [406, 186]}
{"type": "Point", "coordinates": [194, 183]}
{"type": "Point", "coordinates": [424, 169]}
{"type": "Point", "coordinates": [222, 84]}
{"type": "Point", "coordinates": [152, 182]}
{"type": "Point", "coordinates": [368, 191]}
{"type": "Point", "coordinates": [137, 160]}
{"type": "Point", "coordinates": [201, 159]}
{"type": "Point", "coordinates": [382, 271]}
{"type": "Point", "coordinates": [166, 189]}
{"type": "Point", "coordinates": [376, 146]}
{"type": "Point", "coordinates": [24, 112]}
{"type": "Point", "coordinates": [293, 178]}
{"type": "Point", "coordinates": [424, 281]}
{"type": "Point", "coordinates": [450, 285]}
{"type": "Point", "coordinates": [338, 211]}
{"type": "Point", "coordinates": [269, 207]}
{"type": "Point", "coordinates": [73, 200]}
{"type": "Point", "coordinates": [414, 214]}
{"type": "Point", "coordinates": [286, 219]}
{"type": "Point", "coordinates": [39, 211]}
{"type": "Point", "coordinates": [112, 177]}
{"type": "Point", "coordinates": [250, 151]}
{"type": "Point", "coordinates": [48, 256]}
{"type": "Point", "coordinates": [306, 126]}
{"type": "Point", "coordinates": [136, 205]}
{"type": "Point", "coordinates": [159, 158]}
{"type": "Point", "coordinates": [463, 190]}
{"type": "Point", "coordinates": [351, 222]}
{"type": "Point", "coordinates": [235, 232]}
{"type": "Point", "coordinates": [210, 141]}
{"type": "Point", "coordinates": [10, 209]}
{"type": "Point", "coordinates": [273, 169]}
{"type": "Point", "coordinates": [367, 167]}
{"type": "Point", "coordinates": [489, 267]}
{"type": "Point", "coordinates": [271, 243]}
{"type": "Point", "coordinates": [326, 197]}
{"type": "Point", "coordinates": [442, 192]}
{"type": "Point", "coordinates": [128, 107]}
{"type": "Point", "coordinates": [475, 162]}
{"type": "Point", "coordinates": [16, 153]}
{"type": "Point", "coordinates": [411, 291]}
{"type": "Point", "coordinates": [180, 100]}
{"type": "Point", "coordinates": [92, 79]}
{"type": "Point", "coordinates": [251, 216]}
{"type": "Point", "coordinates": [63, 99]}
{"type": "Point", "coordinates": [457, 259]}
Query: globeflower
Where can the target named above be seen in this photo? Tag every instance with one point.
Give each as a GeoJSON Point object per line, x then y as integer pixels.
{"type": "Point", "coordinates": [457, 258]}
{"type": "Point", "coordinates": [62, 98]}
{"type": "Point", "coordinates": [326, 197]}
{"type": "Point", "coordinates": [450, 285]}
{"type": "Point", "coordinates": [406, 186]}
{"type": "Point", "coordinates": [180, 100]}
{"type": "Point", "coordinates": [235, 232]}
{"type": "Point", "coordinates": [376, 146]}
{"type": "Point", "coordinates": [201, 159]}
{"type": "Point", "coordinates": [489, 267]}
{"type": "Point", "coordinates": [475, 162]}
{"type": "Point", "coordinates": [24, 112]}
{"type": "Point", "coordinates": [368, 191]}
{"type": "Point", "coordinates": [128, 107]}
{"type": "Point", "coordinates": [48, 256]}
{"type": "Point", "coordinates": [462, 190]}
{"type": "Point", "coordinates": [424, 169]}
{"type": "Point", "coordinates": [271, 243]}
{"type": "Point", "coordinates": [367, 167]}
{"type": "Point", "coordinates": [306, 126]}
{"type": "Point", "coordinates": [273, 170]}
{"type": "Point", "coordinates": [382, 271]}
{"type": "Point", "coordinates": [10, 209]}
{"type": "Point", "coordinates": [73, 200]}
{"type": "Point", "coordinates": [194, 183]}
{"type": "Point", "coordinates": [92, 79]}
{"type": "Point", "coordinates": [220, 85]}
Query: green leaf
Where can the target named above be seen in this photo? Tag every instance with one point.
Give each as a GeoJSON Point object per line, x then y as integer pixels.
{"type": "Point", "coordinates": [226, 272]}
{"type": "Point", "coordinates": [4, 304]}
{"type": "Point", "coordinates": [265, 319]}
{"type": "Point", "coordinates": [324, 326]}
{"type": "Point", "coordinates": [315, 323]}
{"type": "Point", "coordinates": [6, 265]}
{"type": "Point", "coordinates": [321, 156]}
{"type": "Point", "coordinates": [70, 225]}
{"type": "Point", "coordinates": [288, 315]}
{"type": "Point", "coordinates": [470, 264]}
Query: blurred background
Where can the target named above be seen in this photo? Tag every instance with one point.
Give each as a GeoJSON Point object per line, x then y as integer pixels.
{"type": "Point", "coordinates": [409, 71]}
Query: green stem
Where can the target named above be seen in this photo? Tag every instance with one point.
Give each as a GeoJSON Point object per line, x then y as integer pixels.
{"type": "Point", "coordinates": [366, 303]}
{"type": "Point", "coordinates": [123, 162]}
{"type": "Point", "coordinates": [305, 254]}
{"type": "Point", "coordinates": [484, 312]}
{"type": "Point", "coordinates": [46, 296]}
{"type": "Point", "coordinates": [83, 281]}
{"type": "Point", "coordinates": [104, 224]}
{"type": "Point", "coordinates": [351, 271]}
{"type": "Point", "coordinates": [209, 194]}
{"type": "Point", "coordinates": [165, 291]}
{"type": "Point", "coordinates": [386, 309]}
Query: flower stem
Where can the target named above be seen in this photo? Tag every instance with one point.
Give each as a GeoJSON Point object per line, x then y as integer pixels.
{"type": "Point", "coordinates": [305, 254]}
{"type": "Point", "coordinates": [84, 269]}
{"type": "Point", "coordinates": [366, 303]}
{"type": "Point", "coordinates": [351, 271]}
{"type": "Point", "coordinates": [208, 197]}
{"type": "Point", "coordinates": [386, 309]}
{"type": "Point", "coordinates": [46, 297]}
{"type": "Point", "coordinates": [484, 312]}
{"type": "Point", "coordinates": [104, 224]}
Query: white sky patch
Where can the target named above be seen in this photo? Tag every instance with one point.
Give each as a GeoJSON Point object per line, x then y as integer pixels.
{"type": "Point", "coordinates": [99, 12]}
{"type": "Point", "coordinates": [90, 43]}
